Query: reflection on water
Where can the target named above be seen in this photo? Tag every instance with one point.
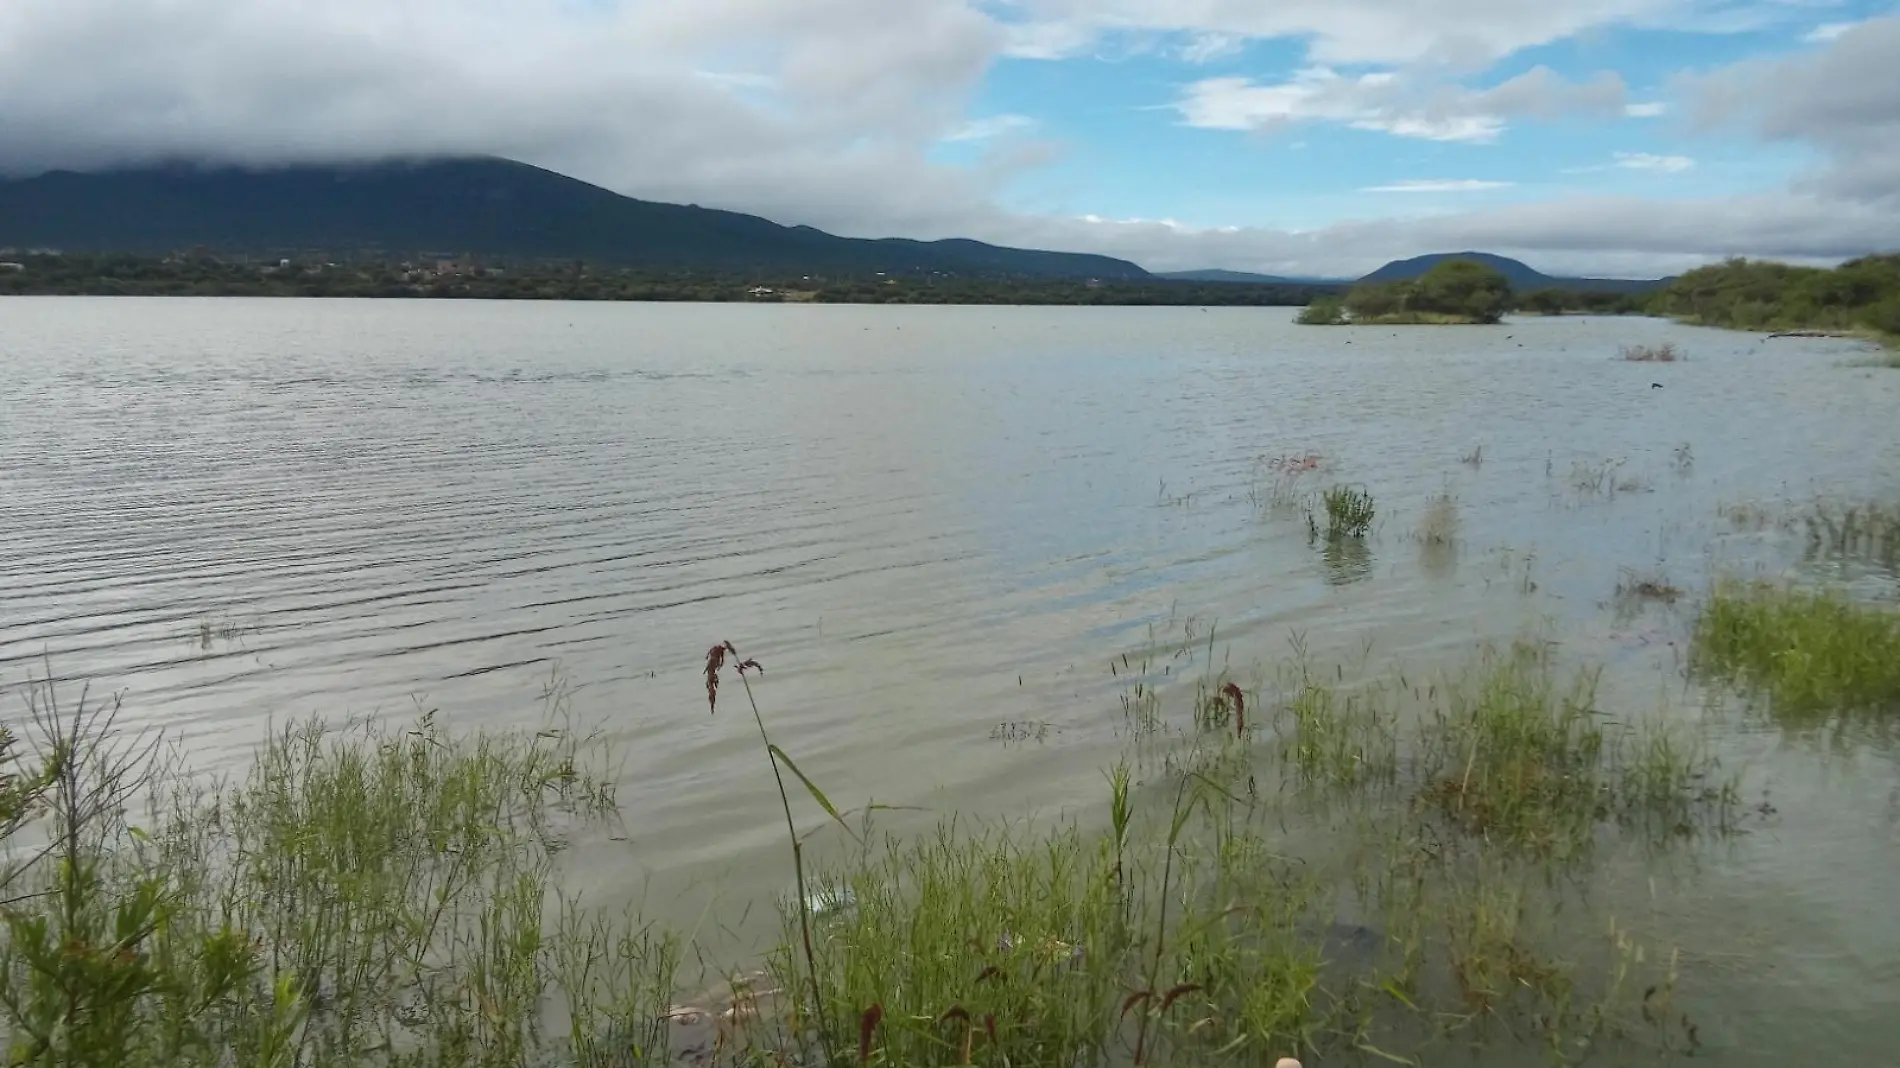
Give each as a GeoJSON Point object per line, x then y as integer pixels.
{"type": "Point", "coordinates": [936, 527]}
{"type": "Point", "coordinates": [1347, 560]}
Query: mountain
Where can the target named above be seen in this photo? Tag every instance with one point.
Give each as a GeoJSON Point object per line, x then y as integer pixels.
{"type": "Point", "coordinates": [1243, 277]}
{"type": "Point", "coordinates": [1522, 276]}
{"type": "Point", "coordinates": [492, 208]}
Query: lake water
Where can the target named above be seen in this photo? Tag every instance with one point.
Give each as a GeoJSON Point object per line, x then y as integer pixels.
{"type": "Point", "coordinates": [926, 522]}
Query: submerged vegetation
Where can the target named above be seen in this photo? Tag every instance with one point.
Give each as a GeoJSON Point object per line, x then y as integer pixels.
{"type": "Point", "coordinates": [1813, 654]}
{"type": "Point", "coordinates": [1663, 353]}
{"type": "Point", "coordinates": [388, 895]}
{"type": "Point", "coordinates": [366, 895]}
{"type": "Point", "coordinates": [1439, 523]}
{"type": "Point", "coordinates": [1349, 512]}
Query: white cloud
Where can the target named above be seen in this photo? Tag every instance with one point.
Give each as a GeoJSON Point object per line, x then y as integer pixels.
{"type": "Point", "coordinates": [827, 112]}
{"type": "Point", "coordinates": [1207, 47]}
{"type": "Point", "coordinates": [1629, 236]}
{"type": "Point", "coordinates": [1401, 104]}
{"type": "Point", "coordinates": [822, 111]}
{"type": "Point", "coordinates": [1648, 110]}
{"type": "Point", "coordinates": [1338, 31]}
{"type": "Point", "coordinates": [1828, 31]}
{"type": "Point", "coordinates": [993, 126]}
{"type": "Point", "coordinates": [1838, 99]}
{"type": "Point", "coordinates": [1436, 185]}
{"type": "Point", "coordinates": [1645, 161]}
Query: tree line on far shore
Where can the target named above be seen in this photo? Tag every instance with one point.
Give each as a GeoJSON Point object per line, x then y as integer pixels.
{"type": "Point", "coordinates": [1859, 296]}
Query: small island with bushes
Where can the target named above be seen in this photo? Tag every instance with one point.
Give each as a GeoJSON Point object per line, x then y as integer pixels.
{"type": "Point", "coordinates": [1860, 298]}
{"type": "Point", "coordinates": [1456, 292]}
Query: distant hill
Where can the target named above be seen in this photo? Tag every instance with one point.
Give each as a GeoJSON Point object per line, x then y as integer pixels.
{"type": "Point", "coordinates": [1522, 276]}
{"type": "Point", "coordinates": [1244, 277]}
{"type": "Point", "coordinates": [475, 206]}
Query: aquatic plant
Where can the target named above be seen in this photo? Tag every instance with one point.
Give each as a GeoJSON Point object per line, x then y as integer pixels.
{"type": "Point", "coordinates": [388, 895]}
{"type": "Point", "coordinates": [1595, 479]}
{"type": "Point", "coordinates": [1276, 483]}
{"type": "Point", "coordinates": [716, 658]}
{"type": "Point", "coordinates": [1439, 523]}
{"type": "Point", "coordinates": [1636, 587]}
{"type": "Point", "coordinates": [1858, 530]}
{"type": "Point", "coordinates": [1812, 653]}
{"type": "Point", "coordinates": [1663, 353]}
{"type": "Point", "coordinates": [366, 894]}
{"type": "Point", "coordinates": [1508, 750]}
{"type": "Point", "coordinates": [1349, 511]}
{"type": "Point", "coordinates": [1517, 754]}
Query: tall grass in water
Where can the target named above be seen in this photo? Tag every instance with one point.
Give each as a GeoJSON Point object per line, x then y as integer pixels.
{"type": "Point", "coordinates": [1349, 513]}
{"type": "Point", "coordinates": [1511, 752]}
{"type": "Point", "coordinates": [1519, 755]}
{"type": "Point", "coordinates": [370, 895]}
{"type": "Point", "coordinates": [386, 895]}
{"type": "Point", "coordinates": [1814, 654]}
{"type": "Point", "coordinates": [1439, 524]}
{"type": "Point", "coordinates": [1867, 531]}
{"type": "Point", "coordinates": [1663, 353]}
{"type": "Point", "coordinates": [1180, 934]}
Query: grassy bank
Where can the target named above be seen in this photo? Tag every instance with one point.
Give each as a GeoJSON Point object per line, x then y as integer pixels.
{"type": "Point", "coordinates": [390, 894]}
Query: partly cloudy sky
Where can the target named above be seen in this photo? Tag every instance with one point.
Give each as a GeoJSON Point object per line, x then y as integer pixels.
{"type": "Point", "coordinates": [1627, 137]}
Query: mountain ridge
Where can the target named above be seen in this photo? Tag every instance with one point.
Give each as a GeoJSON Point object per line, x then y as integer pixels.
{"type": "Point", "coordinates": [1523, 277]}
{"type": "Point", "coordinates": [477, 206]}
{"type": "Point", "coordinates": [501, 209]}
{"type": "Point", "coordinates": [1219, 274]}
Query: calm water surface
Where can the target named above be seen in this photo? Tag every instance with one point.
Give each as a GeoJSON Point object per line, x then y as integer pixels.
{"type": "Point", "coordinates": [927, 522]}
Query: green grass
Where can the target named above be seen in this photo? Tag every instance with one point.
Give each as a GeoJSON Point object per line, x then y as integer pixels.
{"type": "Point", "coordinates": [1510, 751]}
{"type": "Point", "coordinates": [1349, 512]}
{"type": "Point", "coordinates": [1522, 755]}
{"type": "Point", "coordinates": [389, 894]}
{"type": "Point", "coordinates": [365, 895]}
{"type": "Point", "coordinates": [1813, 654]}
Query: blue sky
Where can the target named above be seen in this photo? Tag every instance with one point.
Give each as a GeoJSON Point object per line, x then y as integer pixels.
{"type": "Point", "coordinates": [1284, 136]}
{"type": "Point", "coordinates": [1129, 152]}
{"type": "Point", "coordinates": [1127, 143]}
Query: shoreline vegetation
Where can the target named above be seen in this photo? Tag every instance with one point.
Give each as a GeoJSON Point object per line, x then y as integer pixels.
{"type": "Point", "coordinates": [389, 893]}
{"type": "Point", "coordinates": [1858, 299]}
{"type": "Point", "coordinates": [1349, 866]}
{"type": "Point", "coordinates": [206, 275]}
{"type": "Point", "coordinates": [463, 279]}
